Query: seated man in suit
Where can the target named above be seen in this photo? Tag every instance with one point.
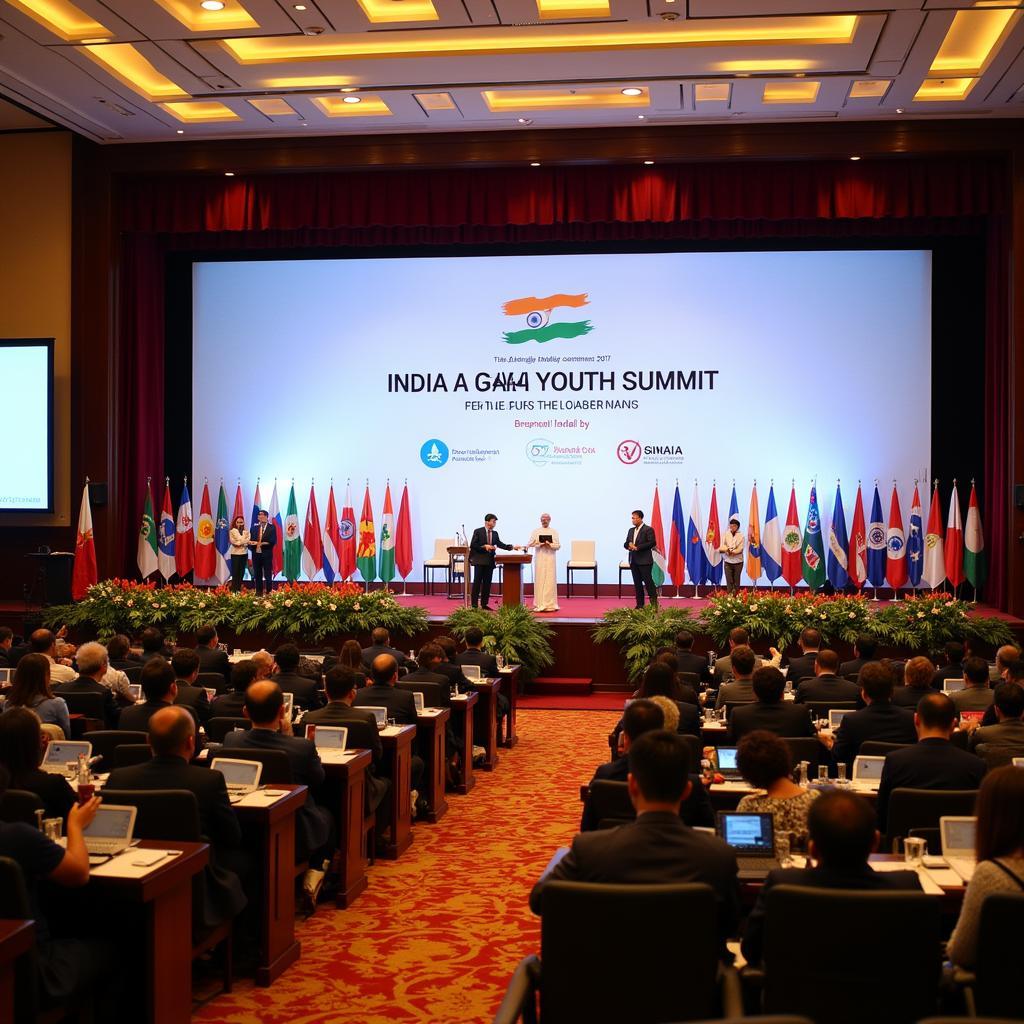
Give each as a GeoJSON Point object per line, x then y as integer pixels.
{"type": "Point", "coordinates": [843, 835]}
{"type": "Point", "coordinates": [932, 762]}
{"type": "Point", "coordinates": [769, 711]}
{"type": "Point", "coordinates": [92, 667]}
{"type": "Point", "coordinates": [232, 705]}
{"type": "Point", "coordinates": [739, 637]}
{"type": "Point", "coordinates": [659, 847]}
{"type": "Point", "coordinates": [185, 663]}
{"type": "Point", "coordinates": [954, 652]}
{"type": "Point", "coordinates": [211, 657]}
{"type": "Point", "coordinates": [6, 643]}
{"type": "Point", "coordinates": [159, 689]}
{"type": "Point", "coordinates": [1007, 736]}
{"type": "Point", "coordinates": [119, 650]}
{"type": "Point", "coordinates": [643, 716]}
{"type": "Point", "coordinates": [172, 738]}
{"type": "Point", "coordinates": [380, 643]}
{"type": "Point", "coordinates": [976, 694]}
{"type": "Point", "coordinates": [449, 665]}
{"type": "Point", "coordinates": [153, 645]}
{"type": "Point", "coordinates": [743, 661]}
{"type": "Point", "coordinates": [474, 654]}
{"type": "Point", "coordinates": [427, 680]}
{"type": "Point", "coordinates": [863, 654]}
{"type": "Point", "coordinates": [272, 730]}
{"type": "Point", "coordinates": [690, 662]}
{"type": "Point", "coordinates": [802, 666]}
{"type": "Point", "coordinates": [878, 720]}
{"type": "Point", "coordinates": [917, 683]}
{"type": "Point", "coordinates": [306, 692]}
{"type": "Point", "coordinates": [826, 684]}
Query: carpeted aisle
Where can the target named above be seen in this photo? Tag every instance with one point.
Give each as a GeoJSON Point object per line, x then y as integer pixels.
{"type": "Point", "coordinates": [438, 933]}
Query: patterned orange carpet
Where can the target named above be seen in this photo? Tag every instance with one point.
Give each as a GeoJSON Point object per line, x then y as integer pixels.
{"type": "Point", "coordinates": [438, 933]}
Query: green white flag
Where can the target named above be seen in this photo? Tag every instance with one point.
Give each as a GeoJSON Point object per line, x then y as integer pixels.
{"type": "Point", "coordinates": [386, 563]}
{"type": "Point", "coordinates": [813, 558]}
{"type": "Point", "coordinates": [292, 540]}
{"type": "Point", "coordinates": [147, 556]}
{"type": "Point", "coordinates": [975, 563]}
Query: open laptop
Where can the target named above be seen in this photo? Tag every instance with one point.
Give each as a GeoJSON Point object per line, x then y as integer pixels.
{"type": "Point", "coordinates": [957, 835]}
{"type": "Point", "coordinates": [110, 831]}
{"type": "Point", "coordinates": [5, 676]}
{"type": "Point", "coordinates": [417, 699]}
{"type": "Point", "coordinates": [240, 776]}
{"type": "Point", "coordinates": [330, 741]}
{"type": "Point", "coordinates": [867, 772]}
{"type": "Point", "coordinates": [135, 689]}
{"type": "Point", "coordinates": [968, 718]}
{"type": "Point", "coordinates": [835, 716]}
{"type": "Point", "coordinates": [752, 838]}
{"type": "Point", "coordinates": [725, 758]}
{"type": "Point", "coordinates": [952, 685]}
{"type": "Point", "coordinates": [60, 752]}
{"type": "Point", "coordinates": [381, 714]}
{"type": "Point", "coordinates": [472, 672]}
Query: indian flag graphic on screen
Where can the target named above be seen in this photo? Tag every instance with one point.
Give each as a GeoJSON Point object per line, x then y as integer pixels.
{"type": "Point", "coordinates": [538, 313]}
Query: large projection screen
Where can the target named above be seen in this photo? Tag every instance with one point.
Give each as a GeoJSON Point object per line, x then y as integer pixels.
{"type": "Point", "coordinates": [26, 423]}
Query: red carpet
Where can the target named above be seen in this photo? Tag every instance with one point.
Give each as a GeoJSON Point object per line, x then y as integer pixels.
{"type": "Point", "coordinates": [572, 702]}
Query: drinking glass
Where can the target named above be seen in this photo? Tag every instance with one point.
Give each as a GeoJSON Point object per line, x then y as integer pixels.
{"type": "Point", "coordinates": [913, 851]}
{"type": "Point", "coordinates": [841, 770]}
{"type": "Point", "coordinates": [52, 828]}
{"type": "Point", "coordinates": [823, 773]}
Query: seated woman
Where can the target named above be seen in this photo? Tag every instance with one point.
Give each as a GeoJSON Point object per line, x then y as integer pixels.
{"type": "Point", "coordinates": [21, 750]}
{"type": "Point", "coordinates": [684, 691]}
{"type": "Point", "coordinates": [660, 681]}
{"type": "Point", "coordinates": [917, 683]}
{"type": "Point", "coordinates": [351, 657]}
{"type": "Point", "coordinates": [763, 760]}
{"type": "Point", "coordinates": [999, 845]}
{"type": "Point", "coordinates": [31, 689]}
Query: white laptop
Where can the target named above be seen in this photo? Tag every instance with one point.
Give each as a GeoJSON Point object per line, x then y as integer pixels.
{"type": "Point", "coordinates": [330, 741]}
{"type": "Point", "coordinates": [952, 685]}
{"type": "Point", "coordinates": [957, 836]}
{"type": "Point", "coordinates": [867, 772]}
{"type": "Point", "coordinates": [111, 830]}
{"type": "Point", "coordinates": [5, 676]}
{"type": "Point", "coordinates": [472, 672]}
{"type": "Point", "coordinates": [135, 689]}
{"type": "Point", "coordinates": [60, 752]}
{"type": "Point", "coordinates": [835, 716]}
{"type": "Point", "coordinates": [417, 699]}
{"type": "Point", "coordinates": [241, 777]}
{"type": "Point", "coordinates": [381, 714]}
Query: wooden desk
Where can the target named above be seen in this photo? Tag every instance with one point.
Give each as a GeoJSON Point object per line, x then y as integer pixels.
{"type": "Point", "coordinates": [512, 577]}
{"type": "Point", "coordinates": [462, 715]}
{"type": "Point", "coordinates": [398, 757]}
{"type": "Point", "coordinates": [16, 939]}
{"type": "Point", "coordinates": [486, 720]}
{"type": "Point", "coordinates": [431, 727]}
{"type": "Point", "coordinates": [346, 783]}
{"type": "Point", "coordinates": [271, 832]}
{"type": "Point", "coordinates": [510, 685]}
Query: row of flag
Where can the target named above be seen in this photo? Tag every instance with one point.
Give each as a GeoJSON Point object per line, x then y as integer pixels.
{"type": "Point", "coordinates": [872, 552]}
{"type": "Point", "coordinates": [331, 550]}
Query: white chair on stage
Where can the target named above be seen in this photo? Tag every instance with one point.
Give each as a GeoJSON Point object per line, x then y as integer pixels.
{"type": "Point", "coordinates": [582, 558]}
{"type": "Point", "coordinates": [439, 560]}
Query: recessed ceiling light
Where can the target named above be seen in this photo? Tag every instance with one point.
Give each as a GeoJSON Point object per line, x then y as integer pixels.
{"type": "Point", "coordinates": [525, 120]}
{"type": "Point", "coordinates": [229, 174]}
{"type": "Point", "coordinates": [299, 7]}
{"type": "Point", "coordinates": [212, 5]}
{"type": "Point", "coordinates": [534, 163]}
{"type": "Point", "coordinates": [899, 110]}
{"type": "Point", "coordinates": [648, 163]}
{"type": "Point", "coordinates": [181, 131]}
{"type": "Point", "coordinates": [640, 117]}
{"type": "Point", "coordinates": [352, 99]}
{"type": "Point", "coordinates": [632, 91]}
{"type": "Point", "coordinates": [854, 157]}
{"type": "Point", "coordinates": [348, 88]}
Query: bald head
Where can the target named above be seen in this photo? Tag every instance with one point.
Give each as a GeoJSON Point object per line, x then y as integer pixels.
{"type": "Point", "coordinates": [264, 704]}
{"type": "Point", "coordinates": [172, 733]}
{"type": "Point", "coordinates": [42, 641]}
{"type": "Point", "coordinates": [1006, 656]}
{"type": "Point", "coordinates": [264, 663]}
{"type": "Point", "coordinates": [385, 670]}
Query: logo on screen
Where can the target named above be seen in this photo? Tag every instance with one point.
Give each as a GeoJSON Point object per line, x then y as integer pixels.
{"type": "Point", "coordinates": [538, 451]}
{"type": "Point", "coordinates": [629, 452]}
{"type": "Point", "coordinates": [538, 313]}
{"type": "Point", "coordinates": [434, 453]}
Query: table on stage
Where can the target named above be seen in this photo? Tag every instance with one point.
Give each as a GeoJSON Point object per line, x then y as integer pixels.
{"type": "Point", "coordinates": [16, 939]}
{"type": "Point", "coordinates": [431, 726]}
{"type": "Point", "coordinates": [512, 577]}
{"type": "Point", "coordinates": [463, 706]}
{"type": "Point", "coordinates": [397, 742]}
{"type": "Point", "coordinates": [346, 785]}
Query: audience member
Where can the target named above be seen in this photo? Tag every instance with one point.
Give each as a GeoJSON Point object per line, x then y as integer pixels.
{"type": "Point", "coordinates": [31, 689]}
{"type": "Point", "coordinates": [211, 657]}
{"type": "Point", "coordinates": [153, 645]}
{"type": "Point", "coordinates": [6, 643]}
{"type": "Point", "coordinates": [743, 662]}
{"type": "Point", "coordinates": [1007, 736]}
{"type": "Point", "coordinates": [976, 694]}
{"type": "Point", "coordinates": [117, 681]}
{"type": "Point", "coordinates": [44, 642]}
{"type": "Point", "coordinates": [953, 652]}
{"type": "Point", "coordinates": [685, 691]}
{"type": "Point", "coordinates": [306, 692]}
{"type": "Point", "coordinates": [669, 711]}
{"type": "Point", "coordinates": [739, 637]}
{"type": "Point", "coordinates": [660, 681]}
{"type": "Point", "coordinates": [449, 666]}
{"type": "Point", "coordinates": [427, 680]}
{"type": "Point", "coordinates": [1006, 657]}
{"type": "Point", "coordinates": [265, 666]}
{"type": "Point", "coordinates": [232, 705]}
{"type": "Point", "coordinates": [918, 675]}
{"type": "Point", "coordinates": [826, 684]}
{"type": "Point", "coordinates": [769, 711]}
{"type": "Point", "coordinates": [688, 660]}
{"type": "Point", "coordinates": [474, 654]}
{"type": "Point", "coordinates": [878, 720]}
{"type": "Point", "coordinates": [159, 689]}
{"type": "Point", "coordinates": [351, 657]}
{"type": "Point", "coordinates": [92, 669]}
{"type": "Point", "coordinates": [185, 663]}
{"type": "Point", "coordinates": [21, 751]}
{"type": "Point", "coordinates": [119, 651]}
{"type": "Point", "coordinates": [1012, 673]}
{"type": "Point", "coordinates": [863, 654]}
{"type": "Point", "coordinates": [380, 643]}
{"type": "Point", "coordinates": [802, 666]}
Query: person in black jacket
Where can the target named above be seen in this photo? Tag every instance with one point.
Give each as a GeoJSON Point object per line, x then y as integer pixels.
{"type": "Point", "coordinates": [232, 705]}
{"type": "Point", "coordinates": [688, 661]}
{"type": "Point", "coordinates": [380, 643]}
{"type": "Point", "coordinates": [769, 711]}
{"type": "Point", "coordinates": [684, 690]}
{"type": "Point", "coordinates": [449, 666]}
{"type": "Point", "coordinates": [6, 643]}
{"type": "Point", "coordinates": [21, 752]}
{"type": "Point", "coordinates": [640, 541]}
{"type": "Point", "coordinates": [802, 666]}
{"type": "Point", "coordinates": [475, 655]}
{"type": "Point", "coordinates": [482, 547]}
{"type": "Point", "coordinates": [306, 692]}
{"type": "Point", "coordinates": [159, 689]}
{"type": "Point", "coordinates": [863, 654]}
{"type": "Point", "coordinates": [955, 653]}
{"type": "Point", "coordinates": [211, 657]}
{"type": "Point", "coordinates": [879, 720]}
{"type": "Point", "coordinates": [185, 663]}
{"type": "Point", "coordinates": [826, 684]}
{"type": "Point", "coordinates": [92, 667]}
{"type": "Point", "coordinates": [427, 680]}
{"type": "Point", "coordinates": [917, 683]}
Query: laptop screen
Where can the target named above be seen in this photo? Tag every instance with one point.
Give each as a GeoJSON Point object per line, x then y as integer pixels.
{"type": "Point", "coordinates": [747, 833]}
{"type": "Point", "coordinates": [417, 699]}
{"type": "Point", "coordinates": [327, 737]}
{"type": "Point", "coordinates": [958, 835]}
{"type": "Point", "coordinates": [5, 676]}
{"type": "Point", "coordinates": [868, 769]}
{"type": "Point", "coordinates": [381, 714]}
{"type": "Point", "coordinates": [111, 823]}
{"type": "Point", "coordinates": [726, 758]}
{"type": "Point", "coordinates": [952, 685]}
{"type": "Point", "coordinates": [238, 773]}
{"type": "Point", "coordinates": [62, 751]}
{"type": "Point", "coordinates": [835, 717]}
{"type": "Point", "coordinates": [471, 671]}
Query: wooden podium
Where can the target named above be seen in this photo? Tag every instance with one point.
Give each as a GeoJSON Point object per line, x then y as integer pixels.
{"type": "Point", "coordinates": [512, 578]}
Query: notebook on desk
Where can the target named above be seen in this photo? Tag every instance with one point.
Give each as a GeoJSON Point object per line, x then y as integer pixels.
{"type": "Point", "coordinates": [381, 714]}
{"type": "Point", "coordinates": [752, 839]}
{"type": "Point", "coordinates": [60, 752]}
{"type": "Point", "coordinates": [240, 776]}
{"type": "Point", "coordinates": [867, 772]}
{"type": "Point", "coordinates": [110, 831]}
{"type": "Point", "coordinates": [5, 676]}
{"type": "Point", "coordinates": [958, 851]}
{"type": "Point", "coordinates": [330, 741]}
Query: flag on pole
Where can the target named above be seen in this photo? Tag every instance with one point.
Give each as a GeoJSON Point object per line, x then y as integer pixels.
{"type": "Point", "coordinates": [771, 549]}
{"type": "Point", "coordinates": [676, 550]}
{"type": "Point", "coordinates": [184, 537]}
{"type": "Point", "coordinates": [754, 538]}
{"type": "Point", "coordinates": [696, 557]}
{"type": "Point", "coordinates": [85, 573]}
{"type": "Point", "coordinates": [221, 540]}
{"type": "Point", "coordinates": [954, 542]}
{"type": "Point", "coordinates": [387, 538]}
{"type": "Point", "coordinates": [915, 541]}
{"type": "Point", "coordinates": [403, 536]}
{"type": "Point", "coordinates": [165, 557]}
{"type": "Point", "coordinates": [347, 529]}
{"type": "Point", "coordinates": [206, 553]}
{"type": "Point", "coordinates": [254, 521]}
{"type": "Point", "coordinates": [147, 555]}
{"type": "Point", "coordinates": [274, 516]}
{"type": "Point", "coordinates": [312, 539]}
{"type": "Point", "coordinates": [934, 546]}
{"type": "Point", "coordinates": [857, 552]}
{"type": "Point", "coordinates": [975, 566]}
{"type": "Point", "coordinates": [837, 563]}
{"type": "Point", "coordinates": [366, 550]}
{"type": "Point", "coordinates": [332, 539]}
{"type": "Point", "coordinates": [658, 569]}
{"type": "Point", "coordinates": [792, 570]}
{"type": "Point", "coordinates": [896, 544]}
{"type": "Point", "coordinates": [712, 540]}
{"type": "Point", "coordinates": [813, 557]}
{"type": "Point", "coordinates": [876, 542]}
{"type": "Point", "coordinates": [292, 562]}
{"type": "Point", "coordinates": [239, 508]}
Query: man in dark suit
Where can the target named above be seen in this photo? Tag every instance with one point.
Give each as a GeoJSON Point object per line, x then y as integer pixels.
{"type": "Point", "coordinates": [863, 654]}
{"type": "Point", "coordinates": [160, 691]}
{"type": "Point", "coordinates": [232, 705]}
{"type": "Point", "coordinates": [917, 683]}
{"type": "Point", "coordinates": [482, 546]}
{"type": "Point", "coordinates": [6, 642]}
{"type": "Point", "coordinates": [92, 667]}
{"type": "Point", "coordinates": [688, 661]}
{"type": "Point", "coordinates": [976, 694]}
{"type": "Point", "coordinates": [740, 637]}
{"type": "Point", "coordinates": [211, 657]}
{"type": "Point", "coordinates": [427, 680]}
{"type": "Point", "coordinates": [843, 836]}
{"type": "Point", "coordinates": [474, 654]}
{"type": "Point", "coordinates": [933, 762]}
{"type": "Point", "coordinates": [1007, 736]}
{"type": "Point", "coordinates": [306, 692]}
{"type": "Point", "coordinates": [802, 666]}
{"type": "Point", "coordinates": [172, 738]}
{"type": "Point", "coordinates": [955, 651]}
{"type": "Point", "coordinates": [263, 541]}
{"type": "Point", "coordinates": [272, 730]}
{"type": "Point", "coordinates": [380, 643]}
{"type": "Point", "coordinates": [657, 848]}
{"type": "Point", "coordinates": [878, 720]}
{"type": "Point", "coordinates": [742, 686]}
{"type": "Point", "coordinates": [769, 711]}
{"type": "Point", "coordinates": [640, 541]}
{"type": "Point", "coordinates": [185, 663]}
{"type": "Point", "coordinates": [153, 645]}
{"type": "Point", "coordinates": [825, 685]}
{"type": "Point", "coordinates": [119, 650]}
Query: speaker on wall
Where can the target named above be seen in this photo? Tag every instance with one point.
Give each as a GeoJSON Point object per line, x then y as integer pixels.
{"type": "Point", "coordinates": [97, 494]}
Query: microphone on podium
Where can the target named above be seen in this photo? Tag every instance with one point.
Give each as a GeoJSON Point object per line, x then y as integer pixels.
{"type": "Point", "coordinates": [463, 541]}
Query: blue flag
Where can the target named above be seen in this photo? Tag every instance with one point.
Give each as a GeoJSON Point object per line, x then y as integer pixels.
{"type": "Point", "coordinates": [696, 556]}
{"type": "Point", "coordinates": [838, 543]}
{"type": "Point", "coordinates": [677, 543]}
{"type": "Point", "coordinates": [915, 542]}
{"type": "Point", "coordinates": [734, 509]}
{"type": "Point", "coordinates": [771, 540]}
{"type": "Point", "coordinates": [877, 539]}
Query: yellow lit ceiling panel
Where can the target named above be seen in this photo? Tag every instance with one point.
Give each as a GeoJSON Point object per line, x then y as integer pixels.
{"type": "Point", "coordinates": [711, 92]}
{"type": "Point", "coordinates": [971, 41]}
{"type": "Point", "coordinates": [200, 112]}
{"type": "Point", "coordinates": [132, 69]}
{"type": "Point", "coordinates": [574, 8]}
{"type": "Point", "coordinates": [230, 18]}
{"type": "Point", "coordinates": [945, 89]}
{"type": "Point", "coordinates": [511, 100]}
{"type": "Point", "coordinates": [368, 106]}
{"type": "Point", "coordinates": [384, 12]}
{"type": "Point", "coordinates": [63, 19]}
{"type": "Point", "coordinates": [790, 92]}
{"type": "Point", "coordinates": [307, 82]}
{"type": "Point", "coordinates": [764, 66]}
{"type": "Point", "coordinates": [435, 100]}
{"type": "Point", "coordinates": [870, 89]}
{"type": "Point", "coordinates": [274, 106]}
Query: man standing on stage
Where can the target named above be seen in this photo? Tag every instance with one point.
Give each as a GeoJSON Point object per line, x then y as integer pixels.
{"type": "Point", "coordinates": [262, 541]}
{"type": "Point", "coordinates": [640, 543]}
{"type": "Point", "coordinates": [732, 548]}
{"type": "Point", "coordinates": [481, 557]}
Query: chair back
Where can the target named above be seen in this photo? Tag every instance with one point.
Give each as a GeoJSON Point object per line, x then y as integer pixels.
{"type": "Point", "coordinates": [435, 695]}
{"type": "Point", "coordinates": [218, 728]}
{"type": "Point", "coordinates": [696, 746]}
{"type": "Point", "coordinates": [162, 814]}
{"type": "Point", "coordinates": [15, 906]}
{"type": "Point", "coordinates": [922, 808]}
{"type": "Point", "coordinates": [821, 708]}
{"type": "Point", "coordinates": [441, 546]}
{"type": "Point", "coordinates": [879, 748]}
{"type": "Point", "coordinates": [581, 967]}
{"type": "Point", "coordinates": [20, 805]}
{"type": "Point", "coordinates": [277, 769]}
{"type": "Point", "coordinates": [134, 674]}
{"type": "Point", "coordinates": [129, 754]}
{"type": "Point", "coordinates": [106, 741]}
{"type": "Point", "coordinates": [213, 681]}
{"type": "Point", "coordinates": [610, 803]}
{"type": "Point", "coordinates": [996, 756]}
{"type": "Point", "coordinates": [997, 989]}
{"type": "Point", "coordinates": [91, 705]}
{"type": "Point", "coordinates": [689, 677]}
{"type": "Point", "coordinates": [583, 551]}
{"type": "Point", "coordinates": [731, 705]}
{"type": "Point", "coordinates": [827, 984]}
{"type": "Point", "coordinates": [805, 748]}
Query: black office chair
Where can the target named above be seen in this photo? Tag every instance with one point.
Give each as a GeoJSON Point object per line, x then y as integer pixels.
{"type": "Point", "coordinates": [827, 984]}
{"type": "Point", "coordinates": [106, 741]}
{"type": "Point", "coordinates": [213, 681]}
{"type": "Point", "coordinates": [821, 708]}
{"type": "Point", "coordinates": [15, 906]}
{"type": "Point", "coordinates": [876, 748]}
{"type": "Point", "coordinates": [692, 678]}
{"type": "Point", "coordinates": [922, 808]}
{"type": "Point", "coordinates": [435, 695]}
{"type": "Point", "coordinates": [133, 674]}
{"type": "Point", "coordinates": [129, 754]}
{"type": "Point", "coordinates": [19, 805]}
{"type": "Point", "coordinates": [806, 748]}
{"type": "Point", "coordinates": [610, 803]}
{"type": "Point", "coordinates": [92, 706]}
{"type": "Point", "coordinates": [729, 705]}
{"type": "Point", "coordinates": [218, 728]}
{"type": "Point", "coordinates": [996, 756]}
{"type": "Point", "coordinates": [277, 769]}
{"type": "Point", "coordinates": [578, 976]}
{"type": "Point", "coordinates": [996, 989]}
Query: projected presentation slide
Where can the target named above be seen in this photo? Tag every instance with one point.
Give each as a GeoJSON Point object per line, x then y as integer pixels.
{"type": "Point", "coordinates": [25, 418]}
{"type": "Point", "coordinates": [567, 384]}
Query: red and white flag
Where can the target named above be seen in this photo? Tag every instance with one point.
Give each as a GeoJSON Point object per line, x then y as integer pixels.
{"type": "Point", "coordinates": [857, 552]}
{"type": "Point", "coordinates": [239, 509]}
{"type": "Point", "coordinates": [792, 544]}
{"type": "Point", "coordinates": [954, 542]}
{"type": "Point", "coordinates": [347, 531]}
{"type": "Point", "coordinates": [206, 551]}
{"type": "Point", "coordinates": [184, 536]}
{"type": "Point", "coordinates": [934, 547]}
{"type": "Point", "coordinates": [896, 545]}
{"type": "Point", "coordinates": [332, 540]}
{"type": "Point", "coordinates": [312, 540]}
{"type": "Point", "coordinates": [85, 573]}
{"type": "Point", "coordinates": [403, 536]}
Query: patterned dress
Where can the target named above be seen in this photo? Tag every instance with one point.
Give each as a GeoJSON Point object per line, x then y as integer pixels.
{"type": "Point", "coordinates": [789, 814]}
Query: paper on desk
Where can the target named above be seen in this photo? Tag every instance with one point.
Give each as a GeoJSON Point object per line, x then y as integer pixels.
{"type": "Point", "coordinates": [261, 798]}
{"type": "Point", "coordinates": [123, 866]}
{"type": "Point", "coordinates": [944, 876]}
{"type": "Point", "coordinates": [927, 882]}
{"type": "Point", "coordinates": [391, 730]}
